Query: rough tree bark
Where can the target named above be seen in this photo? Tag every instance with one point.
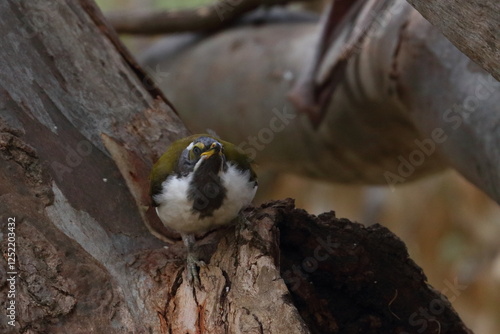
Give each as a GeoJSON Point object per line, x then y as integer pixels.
{"type": "Point", "coordinates": [472, 26]}
{"type": "Point", "coordinates": [63, 85]}
{"type": "Point", "coordinates": [80, 127]}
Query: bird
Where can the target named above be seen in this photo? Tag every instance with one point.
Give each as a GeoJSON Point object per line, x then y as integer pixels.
{"type": "Point", "coordinates": [199, 184]}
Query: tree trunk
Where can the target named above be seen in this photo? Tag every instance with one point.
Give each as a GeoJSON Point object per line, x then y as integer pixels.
{"type": "Point", "coordinates": [64, 84]}
{"type": "Point", "coordinates": [80, 127]}
{"type": "Point", "coordinates": [472, 26]}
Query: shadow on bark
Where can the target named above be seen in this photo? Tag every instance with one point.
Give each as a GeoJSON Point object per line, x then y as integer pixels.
{"type": "Point", "coordinates": [348, 278]}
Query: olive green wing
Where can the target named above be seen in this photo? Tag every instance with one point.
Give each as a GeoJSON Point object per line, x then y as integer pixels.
{"type": "Point", "coordinates": [237, 156]}
{"type": "Point", "coordinates": [167, 164]}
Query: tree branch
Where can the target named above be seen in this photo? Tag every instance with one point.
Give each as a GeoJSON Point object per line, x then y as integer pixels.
{"type": "Point", "coordinates": [205, 18]}
{"type": "Point", "coordinates": [341, 277]}
{"type": "Point", "coordinates": [472, 26]}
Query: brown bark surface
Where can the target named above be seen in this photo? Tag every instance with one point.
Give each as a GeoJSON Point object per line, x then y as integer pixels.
{"type": "Point", "coordinates": [347, 278]}
{"type": "Point", "coordinates": [63, 85]}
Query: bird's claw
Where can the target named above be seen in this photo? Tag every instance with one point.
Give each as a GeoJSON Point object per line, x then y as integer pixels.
{"type": "Point", "coordinates": [241, 222]}
{"type": "Point", "coordinates": [192, 270]}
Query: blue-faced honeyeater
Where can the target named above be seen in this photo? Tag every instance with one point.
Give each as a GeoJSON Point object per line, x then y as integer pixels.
{"type": "Point", "coordinates": [199, 184]}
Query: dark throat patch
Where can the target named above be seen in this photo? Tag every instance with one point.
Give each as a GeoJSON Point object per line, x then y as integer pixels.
{"type": "Point", "coordinates": [206, 189]}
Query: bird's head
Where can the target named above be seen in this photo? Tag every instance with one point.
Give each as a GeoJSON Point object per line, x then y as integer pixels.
{"type": "Point", "coordinates": [201, 155]}
{"type": "Point", "coordinates": [203, 151]}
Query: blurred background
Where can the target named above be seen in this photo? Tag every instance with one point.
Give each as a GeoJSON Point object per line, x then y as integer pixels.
{"type": "Point", "coordinates": [450, 227]}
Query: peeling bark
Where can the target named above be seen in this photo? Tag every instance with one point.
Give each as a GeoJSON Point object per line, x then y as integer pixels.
{"type": "Point", "coordinates": [242, 288]}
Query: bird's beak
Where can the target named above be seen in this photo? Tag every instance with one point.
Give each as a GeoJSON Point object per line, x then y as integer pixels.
{"type": "Point", "coordinates": [214, 148]}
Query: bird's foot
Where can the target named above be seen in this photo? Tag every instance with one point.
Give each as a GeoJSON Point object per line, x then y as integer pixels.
{"type": "Point", "coordinates": [241, 222]}
{"type": "Point", "coordinates": [192, 270]}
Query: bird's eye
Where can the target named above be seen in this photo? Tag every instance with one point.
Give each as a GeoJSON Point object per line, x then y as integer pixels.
{"type": "Point", "coordinates": [196, 150]}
